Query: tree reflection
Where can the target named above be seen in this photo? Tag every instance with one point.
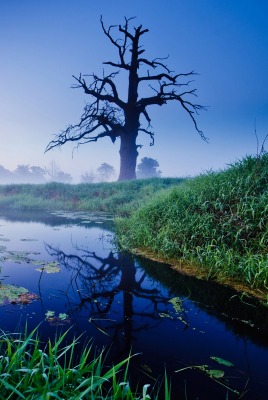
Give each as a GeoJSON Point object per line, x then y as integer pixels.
{"type": "Point", "coordinates": [107, 288]}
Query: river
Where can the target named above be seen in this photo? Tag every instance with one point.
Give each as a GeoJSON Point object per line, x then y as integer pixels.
{"type": "Point", "coordinates": [77, 280]}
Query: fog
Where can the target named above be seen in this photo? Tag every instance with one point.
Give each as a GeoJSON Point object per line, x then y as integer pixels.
{"type": "Point", "coordinates": [43, 44]}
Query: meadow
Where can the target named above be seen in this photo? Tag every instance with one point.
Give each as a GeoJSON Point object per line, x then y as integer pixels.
{"type": "Point", "coordinates": [118, 198]}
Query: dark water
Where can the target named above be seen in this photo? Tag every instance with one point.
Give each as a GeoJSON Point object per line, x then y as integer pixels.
{"type": "Point", "coordinates": [130, 304]}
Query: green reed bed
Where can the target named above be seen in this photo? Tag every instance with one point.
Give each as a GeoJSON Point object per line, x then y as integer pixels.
{"type": "Point", "coordinates": [29, 370]}
{"type": "Point", "coordinates": [118, 197]}
{"type": "Point", "coordinates": [218, 221]}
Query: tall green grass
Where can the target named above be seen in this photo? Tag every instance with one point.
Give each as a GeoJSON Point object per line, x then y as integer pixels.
{"type": "Point", "coordinates": [118, 197]}
{"type": "Point", "coordinates": [28, 370]}
{"type": "Point", "coordinates": [218, 221]}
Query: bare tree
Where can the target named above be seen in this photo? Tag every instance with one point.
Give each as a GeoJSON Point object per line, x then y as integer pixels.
{"type": "Point", "coordinates": [108, 115]}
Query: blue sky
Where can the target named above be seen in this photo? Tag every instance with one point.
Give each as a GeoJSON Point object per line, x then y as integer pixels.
{"type": "Point", "coordinates": [43, 43]}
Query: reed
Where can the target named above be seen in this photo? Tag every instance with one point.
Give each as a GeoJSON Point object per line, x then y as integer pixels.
{"type": "Point", "coordinates": [29, 370]}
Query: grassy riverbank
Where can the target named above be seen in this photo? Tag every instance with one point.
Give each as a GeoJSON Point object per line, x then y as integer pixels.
{"type": "Point", "coordinates": [217, 221]}
{"type": "Point", "coordinates": [119, 198]}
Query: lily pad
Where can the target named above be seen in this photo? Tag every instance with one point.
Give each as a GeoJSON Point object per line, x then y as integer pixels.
{"type": "Point", "coordinates": [177, 304]}
{"type": "Point", "coordinates": [222, 361]}
{"type": "Point", "coordinates": [29, 240]}
{"type": "Point", "coordinates": [18, 256]}
{"type": "Point", "coordinates": [38, 262]}
{"type": "Point", "coordinates": [50, 268]}
{"type": "Point", "coordinates": [10, 294]}
{"type": "Point", "coordinates": [49, 313]}
{"type": "Point", "coordinates": [53, 320]}
{"type": "Point", "coordinates": [27, 298]}
{"type": "Point", "coordinates": [63, 316]}
{"type": "Point", "coordinates": [215, 373]}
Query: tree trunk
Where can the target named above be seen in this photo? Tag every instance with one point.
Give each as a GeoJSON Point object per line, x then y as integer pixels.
{"type": "Point", "coordinates": [128, 148]}
{"type": "Point", "coordinates": [128, 156]}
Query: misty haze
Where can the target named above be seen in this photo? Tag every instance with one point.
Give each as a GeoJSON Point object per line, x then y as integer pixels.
{"type": "Point", "coordinates": [133, 200]}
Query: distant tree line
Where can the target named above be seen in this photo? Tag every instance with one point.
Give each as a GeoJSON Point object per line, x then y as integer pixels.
{"type": "Point", "coordinates": [148, 168]}
{"type": "Point", "coordinates": [24, 173]}
{"type": "Point", "coordinates": [105, 173]}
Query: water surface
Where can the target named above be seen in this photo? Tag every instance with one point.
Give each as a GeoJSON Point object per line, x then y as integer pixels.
{"type": "Point", "coordinates": [130, 304]}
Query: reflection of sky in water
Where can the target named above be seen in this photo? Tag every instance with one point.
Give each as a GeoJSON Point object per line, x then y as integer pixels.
{"type": "Point", "coordinates": [111, 298]}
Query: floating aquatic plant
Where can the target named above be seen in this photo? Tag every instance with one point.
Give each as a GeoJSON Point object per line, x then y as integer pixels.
{"type": "Point", "coordinates": [61, 319]}
{"type": "Point", "coordinates": [29, 240]}
{"type": "Point", "coordinates": [63, 316]}
{"type": "Point", "coordinates": [222, 361]}
{"type": "Point", "coordinates": [10, 294]}
{"type": "Point", "coordinates": [19, 256]}
{"type": "Point", "coordinates": [50, 268]}
{"type": "Point", "coordinates": [216, 374]}
{"type": "Point", "coordinates": [165, 315]}
{"type": "Point", "coordinates": [177, 303]}
{"type": "Point", "coordinates": [27, 298]}
{"type": "Point", "coordinates": [178, 312]}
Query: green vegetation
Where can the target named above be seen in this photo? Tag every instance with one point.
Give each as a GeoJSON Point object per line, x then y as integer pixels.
{"type": "Point", "coordinates": [11, 293]}
{"type": "Point", "coordinates": [118, 197]}
{"type": "Point", "coordinates": [217, 221]}
{"type": "Point", "coordinates": [28, 370]}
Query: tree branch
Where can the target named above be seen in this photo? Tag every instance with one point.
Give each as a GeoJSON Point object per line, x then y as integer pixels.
{"type": "Point", "coordinates": [93, 120]}
{"type": "Point", "coordinates": [171, 78]}
{"type": "Point", "coordinates": [117, 65]}
{"type": "Point", "coordinates": [96, 91]}
{"type": "Point", "coordinates": [151, 134]}
{"type": "Point", "coordinates": [157, 77]}
{"type": "Point", "coordinates": [163, 97]}
{"type": "Point", "coordinates": [121, 48]}
{"type": "Point", "coordinates": [154, 64]}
